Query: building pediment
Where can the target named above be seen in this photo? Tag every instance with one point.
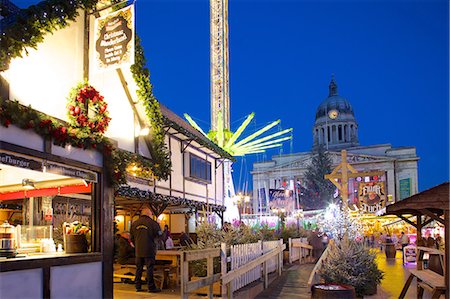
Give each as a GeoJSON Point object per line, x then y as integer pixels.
{"type": "Point", "coordinates": [298, 163]}
{"type": "Point", "coordinates": [357, 158]}
{"type": "Point", "coordinates": [335, 158]}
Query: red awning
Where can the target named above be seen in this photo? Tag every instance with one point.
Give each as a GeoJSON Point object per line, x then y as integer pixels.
{"type": "Point", "coordinates": [46, 192]}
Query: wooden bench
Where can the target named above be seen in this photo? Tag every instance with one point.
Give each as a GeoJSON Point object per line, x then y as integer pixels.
{"type": "Point", "coordinates": [161, 273]}
{"type": "Point", "coordinates": [426, 279]}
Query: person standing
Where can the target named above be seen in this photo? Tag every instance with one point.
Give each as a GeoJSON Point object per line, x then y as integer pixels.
{"type": "Point", "coordinates": [144, 234]}
{"type": "Point", "coordinates": [404, 240]}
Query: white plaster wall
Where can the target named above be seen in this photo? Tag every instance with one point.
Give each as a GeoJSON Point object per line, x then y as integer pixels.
{"type": "Point", "coordinates": [45, 76]}
{"type": "Point", "coordinates": [177, 165]}
{"type": "Point", "coordinates": [121, 127]}
{"type": "Point", "coordinates": [92, 157]}
{"type": "Point", "coordinates": [76, 281]}
{"type": "Point", "coordinates": [25, 284]}
{"type": "Point", "coordinates": [25, 138]}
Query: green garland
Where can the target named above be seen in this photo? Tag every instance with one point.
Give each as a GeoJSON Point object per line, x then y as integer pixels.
{"type": "Point", "coordinates": [12, 112]}
{"type": "Point", "coordinates": [159, 151]}
{"type": "Point", "coordinates": [33, 23]}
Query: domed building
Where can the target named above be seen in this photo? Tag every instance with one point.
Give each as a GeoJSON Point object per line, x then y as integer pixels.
{"type": "Point", "coordinates": [335, 126]}
{"type": "Point", "coordinates": [393, 169]}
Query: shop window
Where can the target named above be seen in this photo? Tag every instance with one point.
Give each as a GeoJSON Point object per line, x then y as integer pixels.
{"type": "Point", "coordinates": [44, 208]}
{"type": "Point", "coordinates": [199, 169]}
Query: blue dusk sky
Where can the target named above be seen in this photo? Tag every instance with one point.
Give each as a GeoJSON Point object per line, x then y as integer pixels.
{"type": "Point", "coordinates": [390, 59]}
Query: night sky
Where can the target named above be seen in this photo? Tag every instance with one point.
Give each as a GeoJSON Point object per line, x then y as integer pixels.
{"type": "Point", "coordinates": [390, 60]}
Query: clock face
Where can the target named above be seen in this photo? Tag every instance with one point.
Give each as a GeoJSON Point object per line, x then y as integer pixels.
{"type": "Point", "coordinates": [333, 114]}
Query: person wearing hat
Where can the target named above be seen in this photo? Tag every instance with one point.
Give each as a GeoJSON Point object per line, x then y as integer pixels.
{"type": "Point", "coordinates": [144, 234]}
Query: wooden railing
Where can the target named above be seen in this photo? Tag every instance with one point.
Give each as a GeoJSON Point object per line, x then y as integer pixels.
{"type": "Point", "coordinates": [188, 286]}
{"type": "Point", "coordinates": [262, 262]}
{"type": "Point", "coordinates": [315, 276]}
{"type": "Point", "coordinates": [242, 273]}
{"type": "Point", "coordinates": [299, 250]}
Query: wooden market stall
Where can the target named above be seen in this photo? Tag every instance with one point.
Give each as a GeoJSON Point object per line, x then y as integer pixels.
{"type": "Point", "coordinates": [419, 210]}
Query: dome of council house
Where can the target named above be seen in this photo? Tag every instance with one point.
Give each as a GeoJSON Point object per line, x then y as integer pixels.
{"type": "Point", "coordinates": [334, 102]}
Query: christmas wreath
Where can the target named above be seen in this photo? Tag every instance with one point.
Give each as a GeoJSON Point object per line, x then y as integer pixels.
{"type": "Point", "coordinates": [87, 110]}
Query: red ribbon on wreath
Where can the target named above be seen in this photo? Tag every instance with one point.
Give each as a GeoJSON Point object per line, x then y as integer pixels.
{"type": "Point", "coordinates": [87, 110]}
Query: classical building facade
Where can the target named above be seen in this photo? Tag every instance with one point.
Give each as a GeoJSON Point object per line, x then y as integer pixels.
{"type": "Point", "coordinates": [336, 129]}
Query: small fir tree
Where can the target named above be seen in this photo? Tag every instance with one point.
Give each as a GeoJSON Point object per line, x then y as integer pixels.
{"type": "Point", "coordinates": [319, 190]}
{"type": "Point", "coordinates": [351, 262]}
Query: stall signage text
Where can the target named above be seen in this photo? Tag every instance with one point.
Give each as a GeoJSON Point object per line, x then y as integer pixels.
{"type": "Point", "coordinates": [372, 197]}
{"type": "Point", "coordinates": [72, 172]}
{"type": "Point", "coordinates": [16, 161]}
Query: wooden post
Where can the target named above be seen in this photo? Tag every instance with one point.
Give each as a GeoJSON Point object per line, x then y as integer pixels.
{"type": "Point", "coordinates": [290, 250]}
{"type": "Point", "coordinates": [210, 273]}
{"type": "Point", "coordinates": [419, 264]}
{"type": "Point", "coordinates": [184, 275]}
{"type": "Point", "coordinates": [223, 266]}
{"type": "Point", "coordinates": [344, 170]}
{"type": "Point", "coordinates": [280, 257]}
{"type": "Point", "coordinates": [266, 274]}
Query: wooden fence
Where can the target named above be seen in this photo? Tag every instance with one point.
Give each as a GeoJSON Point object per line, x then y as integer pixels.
{"type": "Point", "coordinates": [315, 276]}
{"type": "Point", "coordinates": [248, 263]}
{"type": "Point", "coordinates": [299, 250]}
{"type": "Point", "coordinates": [261, 262]}
{"type": "Point", "coordinates": [243, 253]}
{"type": "Point", "coordinates": [187, 285]}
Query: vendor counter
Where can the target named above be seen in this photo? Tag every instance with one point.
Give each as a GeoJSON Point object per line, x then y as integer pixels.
{"type": "Point", "coordinates": [62, 275]}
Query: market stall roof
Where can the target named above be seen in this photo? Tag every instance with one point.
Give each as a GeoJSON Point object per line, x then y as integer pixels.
{"type": "Point", "coordinates": [433, 204]}
{"type": "Point", "coordinates": [435, 200]}
{"type": "Point", "coordinates": [133, 198]}
{"type": "Point", "coordinates": [186, 132]}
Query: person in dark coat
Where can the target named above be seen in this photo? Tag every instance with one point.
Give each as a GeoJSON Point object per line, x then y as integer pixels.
{"type": "Point", "coordinates": [316, 242]}
{"type": "Point", "coordinates": [126, 254]}
{"type": "Point", "coordinates": [144, 234]}
{"type": "Point", "coordinates": [184, 239]}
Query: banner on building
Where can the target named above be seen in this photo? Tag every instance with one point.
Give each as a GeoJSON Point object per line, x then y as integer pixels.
{"type": "Point", "coordinates": [282, 199]}
{"type": "Point", "coordinates": [114, 39]}
{"type": "Point", "coordinates": [405, 188]}
{"type": "Point", "coordinates": [372, 197]}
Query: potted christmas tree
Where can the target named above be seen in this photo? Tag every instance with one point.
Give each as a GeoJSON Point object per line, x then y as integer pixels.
{"type": "Point", "coordinates": [350, 262]}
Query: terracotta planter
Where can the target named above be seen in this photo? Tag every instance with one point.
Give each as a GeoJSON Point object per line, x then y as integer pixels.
{"type": "Point", "coordinates": [332, 291]}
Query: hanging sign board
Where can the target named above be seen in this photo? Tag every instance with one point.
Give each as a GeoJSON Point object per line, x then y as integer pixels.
{"type": "Point", "coordinates": [114, 39]}
{"type": "Point", "coordinates": [372, 197]}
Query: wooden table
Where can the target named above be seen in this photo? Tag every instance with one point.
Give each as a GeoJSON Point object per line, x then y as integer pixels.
{"type": "Point", "coordinates": [174, 256]}
{"type": "Point", "coordinates": [426, 279]}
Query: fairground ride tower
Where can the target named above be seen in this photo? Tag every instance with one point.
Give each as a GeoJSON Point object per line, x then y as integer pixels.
{"type": "Point", "coordinates": [219, 60]}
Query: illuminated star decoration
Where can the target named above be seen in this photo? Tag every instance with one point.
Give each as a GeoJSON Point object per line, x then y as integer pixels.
{"type": "Point", "coordinates": [227, 140]}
